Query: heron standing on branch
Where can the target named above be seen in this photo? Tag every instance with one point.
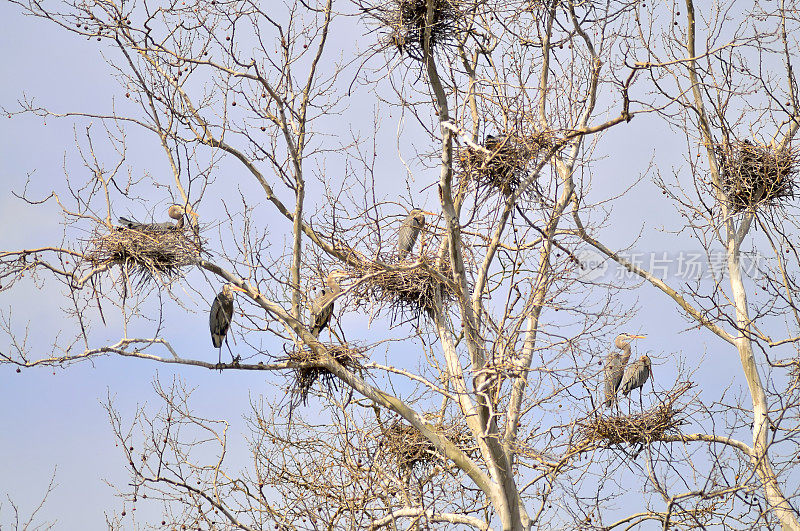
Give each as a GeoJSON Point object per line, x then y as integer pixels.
{"type": "Point", "coordinates": [322, 305]}
{"type": "Point", "coordinates": [219, 320]}
{"type": "Point", "coordinates": [409, 230]}
{"type": "Point", "coordinates": [615, 366]}
{"type": "Point", "coordinates": [176, 212]}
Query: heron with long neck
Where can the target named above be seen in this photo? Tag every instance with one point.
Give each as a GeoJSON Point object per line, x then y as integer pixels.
{"type": "Point", "coordinates": [615, 366]}
{"type": "Point", "coordinates": [409, 231]}
{"type": "Point", "coordinates": [322, 305]}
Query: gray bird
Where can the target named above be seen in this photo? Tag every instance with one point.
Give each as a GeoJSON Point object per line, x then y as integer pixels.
{"type": "Point", "coordinates": [176, 212]}
{"type": "Point", "coordinates": [409, 230]}
{"type": "Point", "coordinates": [636, 375]}
{"type": "Point", "coordinates": [219, 320]}
{"type": "Point", "coordinates": [615, 366]}
{"type": "Point", "coordinates": [322, 305]}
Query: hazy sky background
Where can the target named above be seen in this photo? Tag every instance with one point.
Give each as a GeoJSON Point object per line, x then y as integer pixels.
{"type": "Point", "coordinates": [53, 419]}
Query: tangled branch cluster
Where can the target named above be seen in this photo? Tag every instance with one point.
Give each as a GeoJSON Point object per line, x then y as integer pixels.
{"type": "Point", "coordinates": [753, 174]}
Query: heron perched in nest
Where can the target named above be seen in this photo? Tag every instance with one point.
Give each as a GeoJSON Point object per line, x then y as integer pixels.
{"type": "Point", "coordinates": [409, 230]}
{"type": "Point", "coordinates": [322, 305]}
{"type": "Point", "coordinates": [491, 142]}
{"type": "Point", "coordinates": [219, 320]}
{"type": "Point", "coordinates": [615, 366]}
{"type": "Point", "coordinates": [636, 375]}
{"type": "Point", "coordinates": [176, 212]}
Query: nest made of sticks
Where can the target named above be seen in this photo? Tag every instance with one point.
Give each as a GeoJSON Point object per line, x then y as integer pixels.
{"type": "Point", "coordinates": [410, 291]}
{"type": "Point", "coordinates": [146, 254]}
{"type": "Point", "coordinates": [409, 448]}
{"type": "Point", "coordinates": [307, 369]}
{"type": "Point", "coordinates": [651, 425]}
{"type": "Point", "coordinates": [507, 165]}
{"type": "Point", "coordinates": [406, 23]}
{"type": "Point", "coordinates": [753, 173]}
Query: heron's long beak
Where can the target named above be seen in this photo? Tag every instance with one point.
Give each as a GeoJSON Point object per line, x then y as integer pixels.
{"type": "Point", "coordinates": [430, 213]}
{"type": "Point", "coordinates": [638, 337]}
{"type": "Point", "coordinates": [237, 288]}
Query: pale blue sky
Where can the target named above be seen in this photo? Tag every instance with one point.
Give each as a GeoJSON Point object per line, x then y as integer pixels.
{"type": "Point", "coordinates": [53, 419]}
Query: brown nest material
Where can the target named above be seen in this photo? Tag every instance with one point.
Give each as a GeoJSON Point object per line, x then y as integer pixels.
{"type": "Point", "coordinates": [406, 24]}
{"type": "Point", "coordinates": [753, 174]}
{"type": "Point", "coordinates": [654, 424]}
{"type": "Point", "coordinates": [409, 291]}
{"type": "Point", "coordinates": [308, 369]}
{"type": "Point", "coordinates": [409, 448]}
{"type": "Point", "coordinates": [146, 254]}
{"type": "Point", "coordinates": [506, 166]}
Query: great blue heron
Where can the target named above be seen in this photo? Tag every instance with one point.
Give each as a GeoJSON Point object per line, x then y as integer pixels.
{"type": "Point", "coordinates": [615, 365]}
{"type": "Point", "coordinates": [636, 375]}
{"type": "Point", "coordinates": [409, 230]}
{"type": "Point", "coordinates": [322, 305]}
{"type": "Point", "coordinates": [176, 212]}
{"type": "Point", "coordinates": [219, 320]}
{"type": "Point", "coordinates": [491, 142]}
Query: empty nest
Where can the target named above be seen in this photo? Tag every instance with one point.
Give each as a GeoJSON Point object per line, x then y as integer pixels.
{"type": "Point", "coordinates": [406, 24]}
{"type": "Point", "coordinates": [753, 174]}
{"type": "Point", "coordinates": [307, 369]}
{"type": "Point", "coordinates": [145, 254]}
{"type": "Point", "coordinates": [411, 291]}
{"type": "Point", "coordinates": [409, 448]}
{"type": "Point", "coordinates": [506, 166]}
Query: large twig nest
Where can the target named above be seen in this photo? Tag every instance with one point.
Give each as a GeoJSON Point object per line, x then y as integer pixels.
{"type": "Point", "coordinates": [406, 22]}
{"type": "Point", "coordinates": [507, 164]}
{"type": "Point", "coordinates": [756, 174]}
{"type": "Point", "coordinates": [662, 420]}
{"type": "Point", "coordinates": [409, 448]}
{"type": "Point", "coordinates": [308, 370]}
{"type": "Point", "coordinates": [145, 253]}
{"type": "Point", "coordinates": [404, 291]}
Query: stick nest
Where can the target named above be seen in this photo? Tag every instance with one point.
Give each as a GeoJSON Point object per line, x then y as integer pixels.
{"type": "Point", "coordinates": [308, 369]}
{"type": "Point", "coordinates": [405, 21]}
{"type": "Point", "coordinates": [506, 166]}
{"type": "Point", "coordinates": [146, 254]}
{"type": "Point", "coordinates": [753, 174]}
{"type": "Point", "coordinates": [410, 449]}
{"type": "Point", "coordinates": [410, 291]}
{"type": "Point", "coordinates": [651, 425]}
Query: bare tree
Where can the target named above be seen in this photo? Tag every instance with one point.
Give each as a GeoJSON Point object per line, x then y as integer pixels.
{"type": "Point", "coordinates": [499, 424]}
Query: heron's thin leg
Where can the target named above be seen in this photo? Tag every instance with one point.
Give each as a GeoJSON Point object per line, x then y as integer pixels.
{"type": "Point", "coordinates": [234, 359]}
